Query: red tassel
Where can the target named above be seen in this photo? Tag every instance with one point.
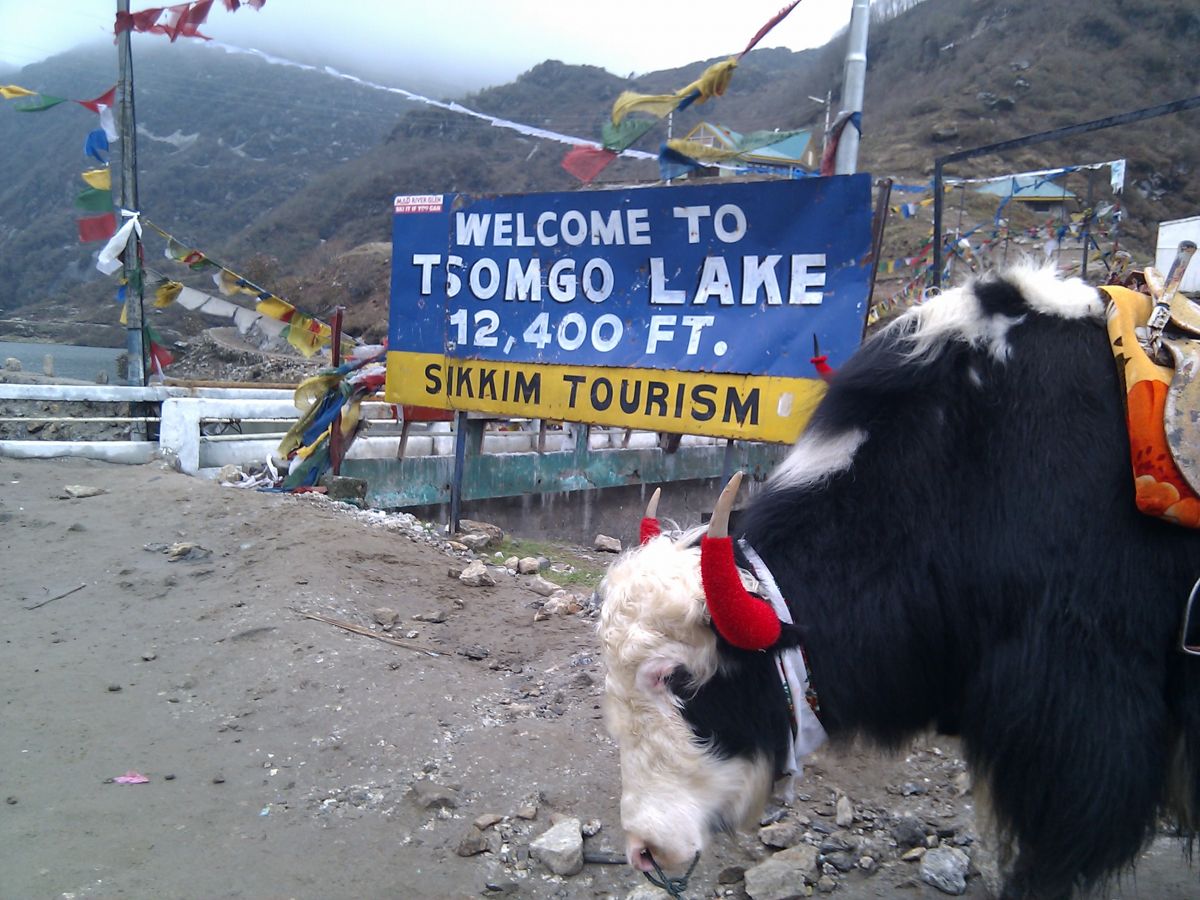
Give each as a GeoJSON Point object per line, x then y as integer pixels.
{"type": "Point", "coordinates": [823, 368]}
{"type": "Point", "coordinates": [649, 529]}
{"type": "Point", "coordinates": [741, 619]}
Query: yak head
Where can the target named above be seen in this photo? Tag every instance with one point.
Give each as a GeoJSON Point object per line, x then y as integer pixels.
{"type": "Point", "coordinates": [692, 695]}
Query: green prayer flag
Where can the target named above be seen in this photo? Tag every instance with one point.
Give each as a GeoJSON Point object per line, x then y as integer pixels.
{"type": "Point", "coordinates": [45, 101]}
{"type": "Point", "coordinates": [94, 200]}
{"type": "Point", "coordinates": [620, 137]}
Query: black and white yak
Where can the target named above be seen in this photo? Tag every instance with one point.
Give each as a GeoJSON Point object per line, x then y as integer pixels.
{"type": "Point", "coordinates": [956, 539]}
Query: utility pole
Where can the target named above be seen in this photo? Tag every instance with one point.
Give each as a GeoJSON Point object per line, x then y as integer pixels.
{"type": "Point", "coordinates": [134, 288]}
{"type": "Point", "coordinates": [827, 101]}
{"type": "Point", "coordinates": [853, 84]}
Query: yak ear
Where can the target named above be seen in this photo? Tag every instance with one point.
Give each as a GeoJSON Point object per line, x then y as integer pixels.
{"type": "Point", "coordinates": [654, 673]}
{"type": "Point", "coordinates": [789, 636]}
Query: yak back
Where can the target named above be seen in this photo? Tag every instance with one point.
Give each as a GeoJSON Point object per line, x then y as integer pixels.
{"type": "Point", "coordinates": [984, 532]}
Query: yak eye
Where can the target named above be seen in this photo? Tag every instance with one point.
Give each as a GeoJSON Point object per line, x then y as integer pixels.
{"type": "Point", "coordinates": [679, 682]}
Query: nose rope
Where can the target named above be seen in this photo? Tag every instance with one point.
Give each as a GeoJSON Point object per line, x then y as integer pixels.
{"type": "Point", "coordinates": [673, 886]}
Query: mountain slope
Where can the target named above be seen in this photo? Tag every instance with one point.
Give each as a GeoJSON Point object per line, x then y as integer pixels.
{"type": "Point", "coordinates": [279, 172]}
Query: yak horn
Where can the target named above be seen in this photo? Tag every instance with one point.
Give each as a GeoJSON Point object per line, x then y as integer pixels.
{"type": "Point", "coordinates": [650, 527]}
{"type": "Point", "coordinates": [652, 506]}
{"type": "Point", "coordinates": [718, 525]}
{"type": "Point", "coordinates": [741, 619]}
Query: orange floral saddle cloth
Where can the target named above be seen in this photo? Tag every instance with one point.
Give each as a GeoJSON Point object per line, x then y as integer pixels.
{"type": "Point", "coordinates": [1162, 403]}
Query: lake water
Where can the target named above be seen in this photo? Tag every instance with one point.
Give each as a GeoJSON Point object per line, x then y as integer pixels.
{"type": "Point", "coordinates": [70, 361]}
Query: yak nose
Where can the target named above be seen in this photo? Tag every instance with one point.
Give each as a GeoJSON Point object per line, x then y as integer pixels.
{"type": "Point", "coordinates": [639, 854]}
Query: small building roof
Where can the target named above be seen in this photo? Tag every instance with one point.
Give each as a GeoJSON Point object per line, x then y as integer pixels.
{"type": "Point", "coordinates": [794, 148]}
{"type": "Point", "coordinates": [1026, 187]}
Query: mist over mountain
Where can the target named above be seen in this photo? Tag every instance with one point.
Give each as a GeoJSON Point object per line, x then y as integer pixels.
{"type": "Point", "coordinates": [280, 172]}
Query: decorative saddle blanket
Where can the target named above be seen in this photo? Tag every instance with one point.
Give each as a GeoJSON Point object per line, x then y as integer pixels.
{"type": "Point", "coordinates": [1162, 489]}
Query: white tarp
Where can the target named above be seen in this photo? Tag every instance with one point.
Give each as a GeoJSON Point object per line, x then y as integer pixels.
{"type": "Point", "coordinates": [1170, 234]}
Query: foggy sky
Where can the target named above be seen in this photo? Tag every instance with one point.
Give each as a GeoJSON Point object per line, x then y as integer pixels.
{"type": "Point", "coordinates": [458, 44]}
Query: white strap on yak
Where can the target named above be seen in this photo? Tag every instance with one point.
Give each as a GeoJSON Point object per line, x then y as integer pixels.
{"type": "Point", "coordinates": [807, 733]}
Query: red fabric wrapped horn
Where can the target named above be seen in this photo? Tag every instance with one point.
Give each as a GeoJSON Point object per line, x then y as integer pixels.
{"type": "Point", "coordinates": [743, 620]}
{"type": "Point", "coordinates": [650, 527]}
{"type": "Point", "coordinates": [821, 362]}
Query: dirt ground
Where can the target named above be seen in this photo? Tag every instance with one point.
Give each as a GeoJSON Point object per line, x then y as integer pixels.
{"type": "Point", "coordinates": [289, 758]}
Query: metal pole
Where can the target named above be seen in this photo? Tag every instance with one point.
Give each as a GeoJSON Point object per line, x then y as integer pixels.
{"type": "Point", "coordinates": [828, 108]}
{"type": "Point", "coordinates": [1087, 222]}
{"type": "Point", "coordinates": [853, 84]}
{"type": "Point", "coordinates": [938, 166]}
{"type": "Point", "coordinates": [335, 430]}
{"type": "Point", "coordinates": [460, 463]}
{"type": "Point", "coordinates": [129, 200]}
{"type": "Point", "coordinates": [883, 195]}
{"type": "Point", "coordinates": [727, 462]}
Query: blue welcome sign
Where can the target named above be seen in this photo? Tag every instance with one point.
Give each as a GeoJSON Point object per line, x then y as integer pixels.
{"type": "Point", "coordinates": [689, 309]}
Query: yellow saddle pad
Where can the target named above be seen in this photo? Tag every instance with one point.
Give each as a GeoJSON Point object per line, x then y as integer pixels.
{"type": "Point", "coordinates": [1161, 490]}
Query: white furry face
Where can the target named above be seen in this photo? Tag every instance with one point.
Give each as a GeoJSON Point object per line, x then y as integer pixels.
{"type": "Point", "coordinates": [674, 790]}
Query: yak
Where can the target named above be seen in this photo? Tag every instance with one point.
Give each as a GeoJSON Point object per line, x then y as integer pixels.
{"type": "Point", "coordinates": [955, 539]}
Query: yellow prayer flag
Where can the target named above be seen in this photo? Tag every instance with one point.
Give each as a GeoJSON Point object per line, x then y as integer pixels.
{"type": "Point", "coordinates": [166, 293]}
{"type": "Point", "coordinates": [711, 83]}
{"type": "Point", "coordinates": [12, 91]}
{"type": "Point", "coordinates": [306, 334]}
{"type": "Point", "coordinates": [275, 308]}
{"type": "Point", "coordinates": [125, 313]}
{"type": "Point", "coordinates": [701, 152]}
{"type": "Point", "coordinates": [100, 179]}
{"type": "Point", "coordinates": [228, 283]}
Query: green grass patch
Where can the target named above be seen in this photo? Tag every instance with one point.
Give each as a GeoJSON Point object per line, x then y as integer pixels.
{"type": "Point", "coordinates": [586, 572]}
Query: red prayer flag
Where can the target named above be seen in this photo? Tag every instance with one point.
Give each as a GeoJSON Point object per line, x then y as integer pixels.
{"type": "Point", "coordinates": [138, 21]}
{"type": "Point", "coordinates": [105, 99]}
{"type": "Point", "coordinates": [762, 32]}
{"type": "Point", "coordinates": [160, 356]}
{"type": "Point", "coordinates": [186, 19]}
{"type": "Point", "coordinates": [97, 228]}
{"type": "Point", "coordinates": [585, 162]}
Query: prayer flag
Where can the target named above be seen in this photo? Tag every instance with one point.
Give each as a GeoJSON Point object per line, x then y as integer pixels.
{"type": "Point", "coordinates": [94, 200]}
{"type": "Point", "coordinates": [107, 123]}
{"type": "Point", "coordinates": [97, 228]}
{"type": "Point", "coordinates": [276, 308]}
{"type": "Point", "coordinates": [12, 91]}
{"type": "Point", "coordinates": [160, 356]}
{"type": "Point", "coordinates": [95, 144]}
{"type": "Point", "coordinates": [101, 179]}
{"type": "Point", "coordinates": [229, 283]}
{"type": "Point", "coordinates": [622, 136]}
{"type": "Point", "coordinates": [186, 20]}
{"type": "Point", "coordinates": [585, 162]}
{"type": "Point", "coordinates": [193, 259]}
{"type": "Point", "coordinates": [166, 293]}
{"type": "Point", "coordinates": [144, 20]}
{"type": "Point", "coordinates": [43, 103]}
{"type": "Point", "coordinates": [673, 164]}
{"type": "Point", "coordinates": [775, 20]}
{"type": "Point", "coordinates": [712, 83]}
{"type": "Point", "coordinates": [301, 338]}
{"type": "Point", "coordinates": [106, 99]}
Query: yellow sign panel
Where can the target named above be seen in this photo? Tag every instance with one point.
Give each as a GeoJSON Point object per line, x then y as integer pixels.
{"type": "Point", "coordinates": [736, 406]}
